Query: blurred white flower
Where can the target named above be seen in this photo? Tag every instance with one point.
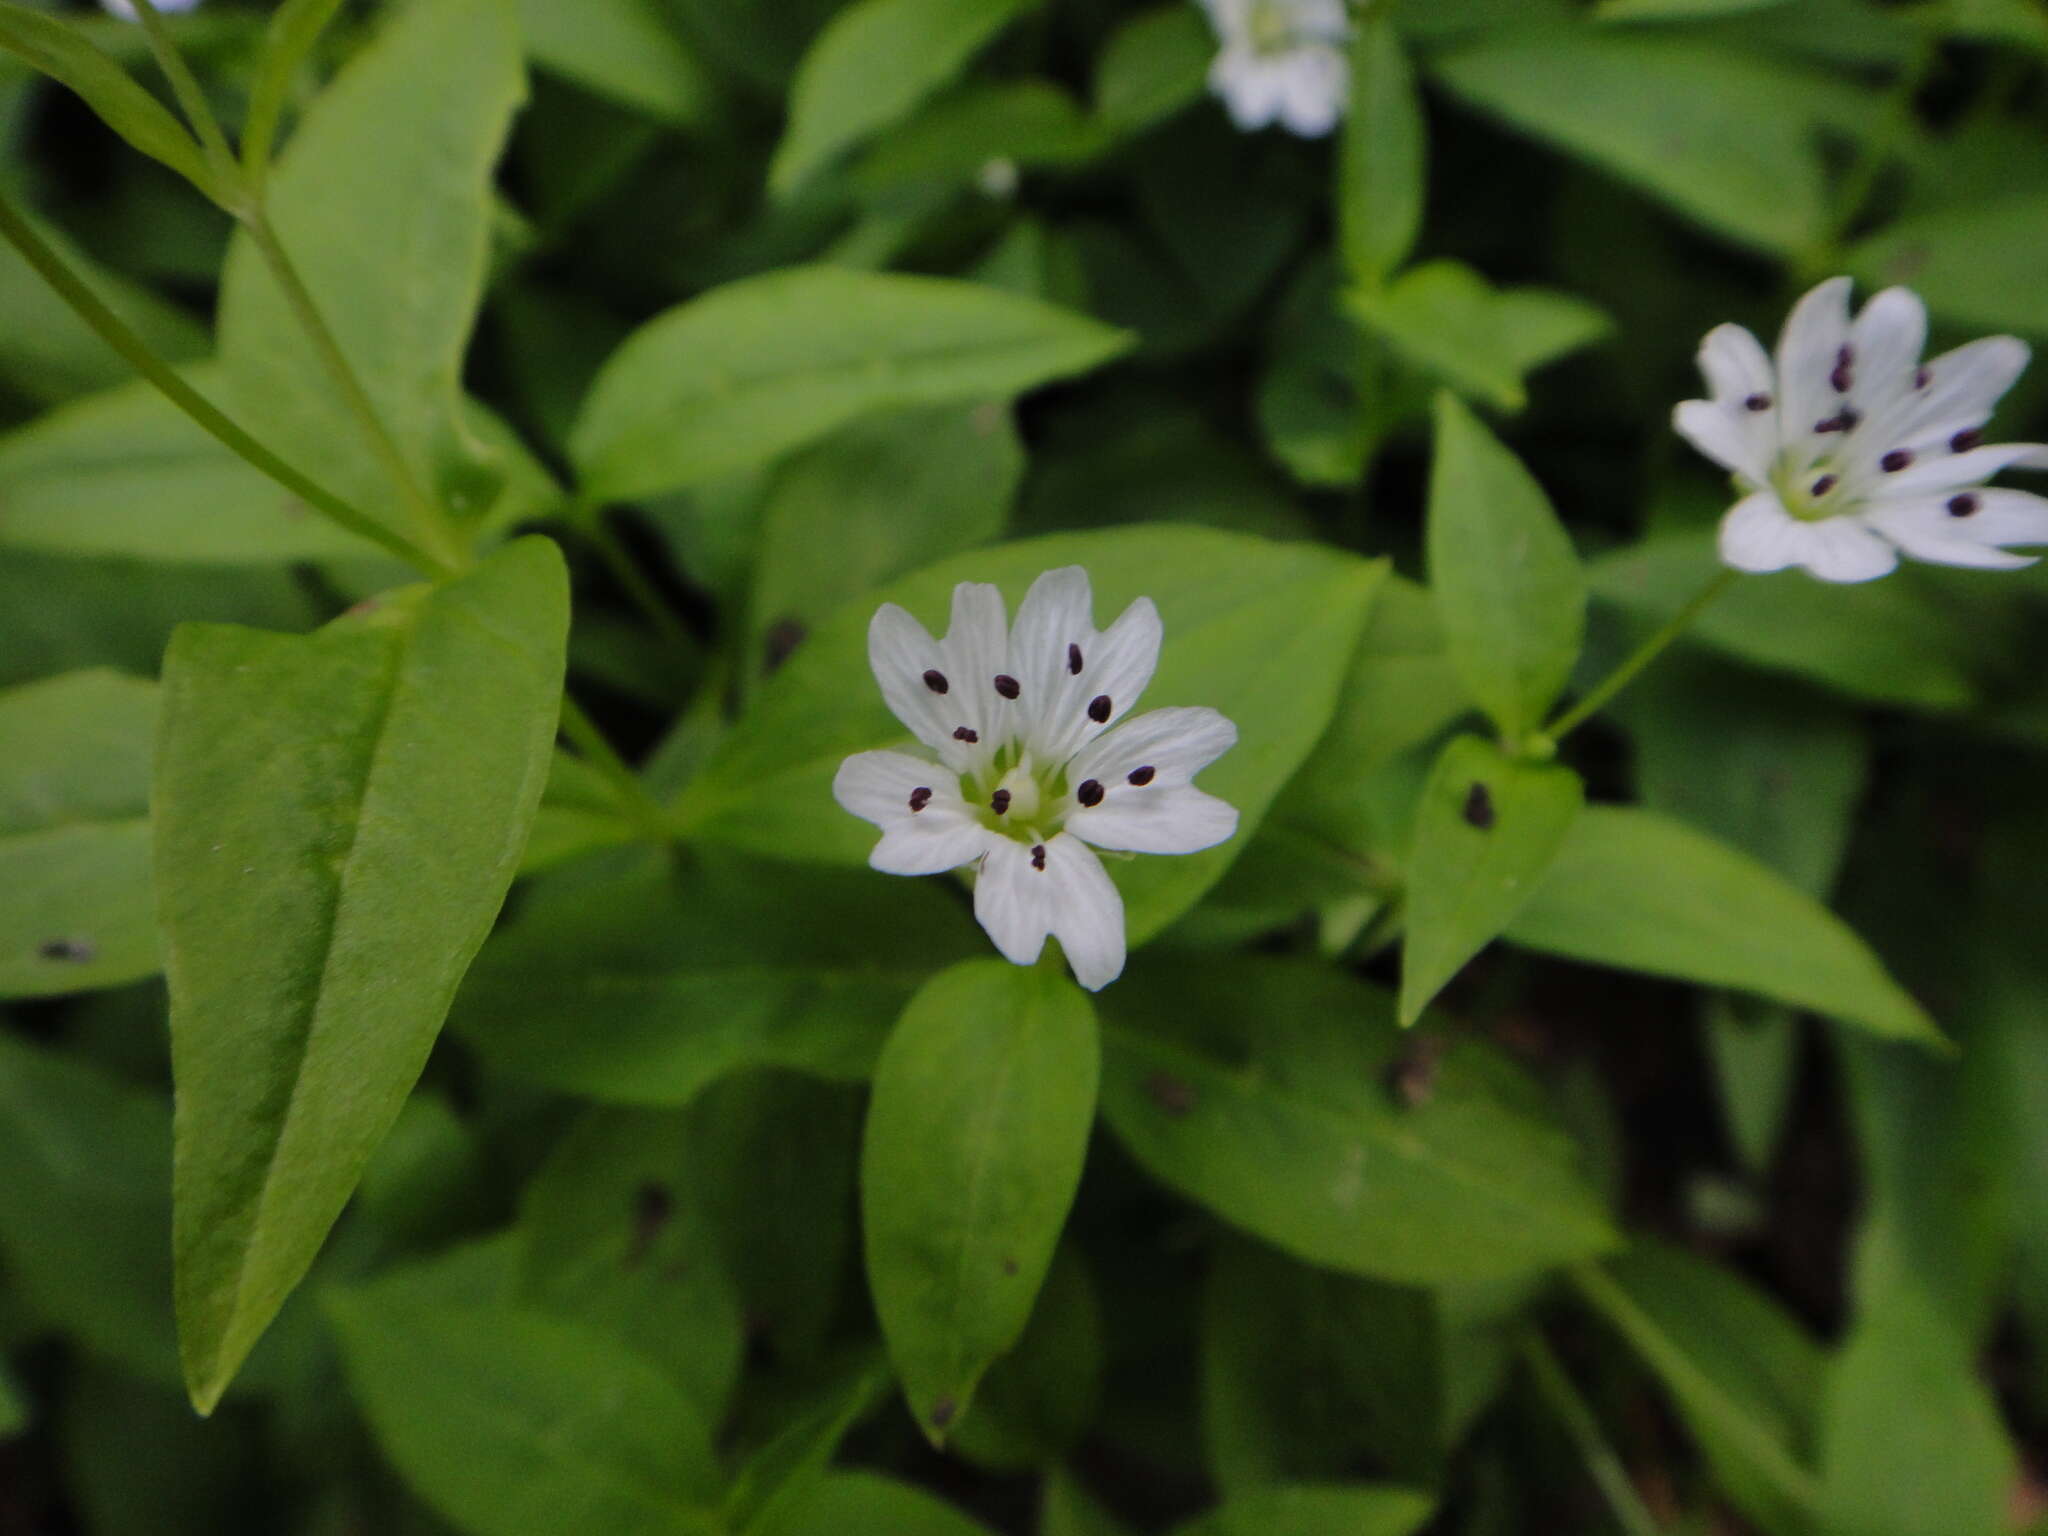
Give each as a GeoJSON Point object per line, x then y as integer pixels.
{"type": "Point", "coordinates": [1281, 61]}
{"type": "Point", "coordinates": [1854, 452]}
{"type": "Point", "coordinates": [1033, 764]}
{"type": "Point", "coordinates": [125, 9]}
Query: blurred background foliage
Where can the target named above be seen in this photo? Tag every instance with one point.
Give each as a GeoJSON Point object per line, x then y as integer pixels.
{"type": "Point", "coordinates": [587, 1268]}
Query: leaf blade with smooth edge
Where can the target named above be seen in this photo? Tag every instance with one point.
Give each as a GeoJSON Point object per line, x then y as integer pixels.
{"type": "Point", "coordinates": [1261, 631]}
{"type": "Point", "coordinates": [975, 1137]}
{"type": "Point", "coordinates": [404, 141]}
{"type": "Point", "coordinates": [55, 49]}
{"type": "Point", "coordinates": [872, 64]}
{"type": "Point", "coordinates": [514, 1423]}
{"type": "Point", "coordinates": [1638, 891]}
{"type": "Point", "coordinates": [1968, 261]}
{"type": "Point", "coordinates": [1318, 1509]}
{"type": "Point", "coordinates": [336, 814]}
{"type": "Point", "coordinates": [1259, 1089]}
{"type": "Point", "coordinates": [1508, 585]}
{"type": "Point", "coordinates": [758, 367]}
{"type": "Point", "coordinates": [287, 40]}
{"type": "Point", "coordinates": [1153, 67]}
{"type": "Point", "coordinates": [625, 50]}
{"type": "Point", "coordinates": [867, 1504]}
{"type": "Point", "coordinates": [1382, 173]}
{"type": "Point", "coordinates": [1488, 829]}
{"type": "Point", "coordinates": [75, 906]}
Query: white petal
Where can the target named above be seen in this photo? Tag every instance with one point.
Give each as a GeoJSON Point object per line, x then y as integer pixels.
{"type": "Point", "coordinates": [1730, 435]}
{"type": "Point", "coordinates": [1315, 81]}
{"type": "Point", "coordinates": [1115, 666]}
{"type": "Point", "coordinates": [1951, 471]}
{"type": "Point", "coordinates": [945, 834]}
{"type": "Point", "coordinates": [977, 652]}
{"type": "Point", "coordinates": [1963, 388]}
{"type": "Point", "coordinates": [1172, 818]}
{"type": "Point", "coordinates": [1087, 912]}
{"type": "Point", "coordinates": [902, 653]}
{"type": "Point", "coordinates": [1841, 549]}
{"type": "Point", "coordinates": [1813, 338]}
{"type": "Point", "coordinates": [1055, 622]}
{"type": "Point", "coordinates": [1758, 534]}
{"type": "Point", "coordinates": [1176, 744]}
{"type": "Point", "coordinates": [1247, 86]}
{"type": "Point", "coordinates": [1885, 345]}
{"type": "Point", "coordinates": [1013, 901]}
{"type": "Point", "coordinates": [1926, 529]}
{"type": "Point", "coordinates": [1735, 366]}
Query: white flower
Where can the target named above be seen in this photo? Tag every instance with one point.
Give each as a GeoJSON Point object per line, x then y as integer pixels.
{"type": "Point", "coordinates": [1033, 766]}
{"type": "Point", "coordinates": [1281, 61]}
{"type": "Point", "coordinates": [1853, 452]}
{"type": "Point", "coordinates": [125, 9]}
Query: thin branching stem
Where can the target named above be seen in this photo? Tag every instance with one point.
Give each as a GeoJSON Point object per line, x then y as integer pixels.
{"type": "Point", "coordinates": [1602, 1462]}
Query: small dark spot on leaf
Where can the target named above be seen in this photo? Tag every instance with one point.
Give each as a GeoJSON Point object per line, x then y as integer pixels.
{"type": "Point", "coordinates": [1009, 1266]}
{"type": "Point", "coordinates": [780, 643]}
{"type": "Point", "coordinates": [69, 951]}
{"type": "Point", "coordinates": [1412, 1078]}
{"type": "Point", "coordinates": [943, 1412]}
{"type": "Point", "coordinates": [1479, 807]}
{"type": "Point", "coordinates": [1175, 1095]}
{"type": "Point", "coordinates": [653, 1205]}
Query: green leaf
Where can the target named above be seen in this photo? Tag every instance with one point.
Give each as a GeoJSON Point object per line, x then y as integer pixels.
{"type": "Point", "coordinates": [1633, 889]}
{"type": "Point", "coordinates": [1260, 1089]}
{"type": "Point", "coordinates": [1318, 1509]}
{"type": "Point", "coordinates": [1911, 1437]}
{"type": "Point", "coordinates": [1038, 1400]}
{"type": "Point", "coordinates": [1969, 261]}
{"type": "Point", "coordinates": [338, 819]}
{"type": "Point", "coordinates": [1723, 137]}
{"type": "Point", "coordinates": [1154, 66]}
{"type": "Point", "coordinates": [57, 49]}
{"type": "Point", "coordinates": [14, 1408]}
{"type": "Point", "coordinates": [75, 907]}
{"type": "Point", "coordinates": [1029, 123]}
{"type": "Point", "coordinates": [624, 50]}
{"type": "Point", "coordinates": [138, 1460]}
{"type": "Point", "coordinates": [868, 1504]}
{"type": "Point", "coordinates": [616, 1234]}
{"type": "Point", "coordinates": [1481, 340]}
{"type": "Point", "coordinates": [513, 1423]}
{"type": "Point", "coordinates": [873, 63]}
{"type": "Point", "coordinates": [646, 989]}
{"type": "Point", "coordinates": [1489, 829]}
{"type": "Point", "coordinates": [383, 202]}
{"type": "Point", "coordinates": [1067, 1509]}
{"type": "Point", "coordinates": [1675, 10]}
{"type": "Point", "coordinates": [785, 1473]}
{"type": "Point", "coordinates": [983, 1100]}
{"type": "Point", "coordinates": [83, 1219]}
{"type": "Point", "coordinates": [871, 502]}
{"type": "Point", "coordinates": [1261, 631]}
{"type": "Point", "coordinates": [1890, 641]}
{"type": "Point", "coordinates": [294, 28]}
{"type": "Point", "coordinates": [1382, 174]}
{"type": "Point", "coordinates": [1744, 1376]}
{"type": "Point", "coordinates": [1508, 585]}
{"type": "Point", "coordinates": [758, 367]}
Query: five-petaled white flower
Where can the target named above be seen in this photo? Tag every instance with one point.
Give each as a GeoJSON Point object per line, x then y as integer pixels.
{"type": "Point", "coordinates": [1281, 61]}
{"type": "Point", "coordinates": [1853, 451]}
{"type": "Point", "coordinates": [1033, 764]}
{"type": "Point", "coordinates": [125, 9]}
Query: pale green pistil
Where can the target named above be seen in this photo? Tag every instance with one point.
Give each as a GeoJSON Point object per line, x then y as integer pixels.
{"type": "Point", "coordinates": [1812, 493]}
{"type": "Point", "coordinates": [1271, 28]}
{"type": "Point", "coordinates": [1026, 803]}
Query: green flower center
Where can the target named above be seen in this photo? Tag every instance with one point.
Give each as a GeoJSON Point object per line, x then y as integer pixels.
{"type": "Point", "coordinates": [1019, 798]}
{"type": "Point", "coordinates": [1812, 493]}
{"type": "Point", "coordinates": [1271, 27]}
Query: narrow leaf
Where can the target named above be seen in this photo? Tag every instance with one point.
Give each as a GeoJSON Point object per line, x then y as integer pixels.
{"type": "Point", "coordinates": [1381, 172]}
{"type": "Point", "coordinates": [1633, 889]}
{"type": "Point", "coordinates": [761, 366]}
{"type": "Point", "coordinates": [294, 29]}
{"type": "Point", "coordinates": [1319, 1509]}
{"type": "Point", "coordinates": [1507, 581]}
{"type": "Point", "coordinates": [338, 819]}
{"type": "Point", "coordinates": [975, 1137]}
{"type": "Point", "coordinates": [1488, 829]}
{"type": "Point", "coordinates": [625, 50]}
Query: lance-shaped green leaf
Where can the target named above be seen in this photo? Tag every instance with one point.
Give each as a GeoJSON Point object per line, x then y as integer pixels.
{"type": "Point", "coordinates": [293, 30]}
{"type": "Point", "coordinates": [761, 366]}
{"type": "Point", "coordinates": [1508, 584]}
{"type": "Point", "coordinates": [338, 819]}
{"type": "Point", "coordinates": [383, 200]}
{"type": "Point", "coordinates": [975, 1137]}
{"type": "Point", "coordinates": [1284, 1097]}
{"type": "Point", "coordinates": [75, 909]}
{"type": "Point", "coordinates": [867, 1504]}
{"type": "Point", "coordinates": [514, 1423]}
{"type": "Point", "coordinates": [875, 61]}
{"type": "Point", "coordinates": [1634, 889]}
{"type": "Point", "coordinates": [1318, 1509]}
{"type": "Point", "coordinates": [1381, 171]}
{"type": "Point", "coordinates": [1153, 67]}
{"type": "Point", "coordinates": [1487, 830]}
{"type": "Point", "coordinates": [56, 49]}
{"type": "Point", "coordinates": [626, 50]}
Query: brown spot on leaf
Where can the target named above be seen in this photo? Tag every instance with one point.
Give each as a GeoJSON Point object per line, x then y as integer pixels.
{"type": "Point", "coordinates": [653, 1205]}
{"type": "Point", "coordinates": [68, 951]}
{"type": "Point", "coordinates": [780, 643]}
{"type": "Point", "coordinates": [1412, 1078]}
{"type": "Point", "coordinates": [944, 1411]}
{"type": "Point", "coordinates": [1175, 1095]}
{"type": "Point", "coordinates": [1009, 1266]}
{"type": "Point", "coordinates": [1479, 807]}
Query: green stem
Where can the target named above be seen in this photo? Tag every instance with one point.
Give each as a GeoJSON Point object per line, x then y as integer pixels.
{"type": "Point", "coordinates": [110, 328]}
{"type": "Point", "coordinates": [1608, 1474]}
{"type": "Point", "coordinates": [640, 807]}
{"type": "Point", "coordinates": [1640, 658]}
{"type": "Point", "coordinates": [191, 96]}
{"type": "Point", "coordinates": [642, 592]}
{"type": "Point", "coordinates": [436, 532]}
